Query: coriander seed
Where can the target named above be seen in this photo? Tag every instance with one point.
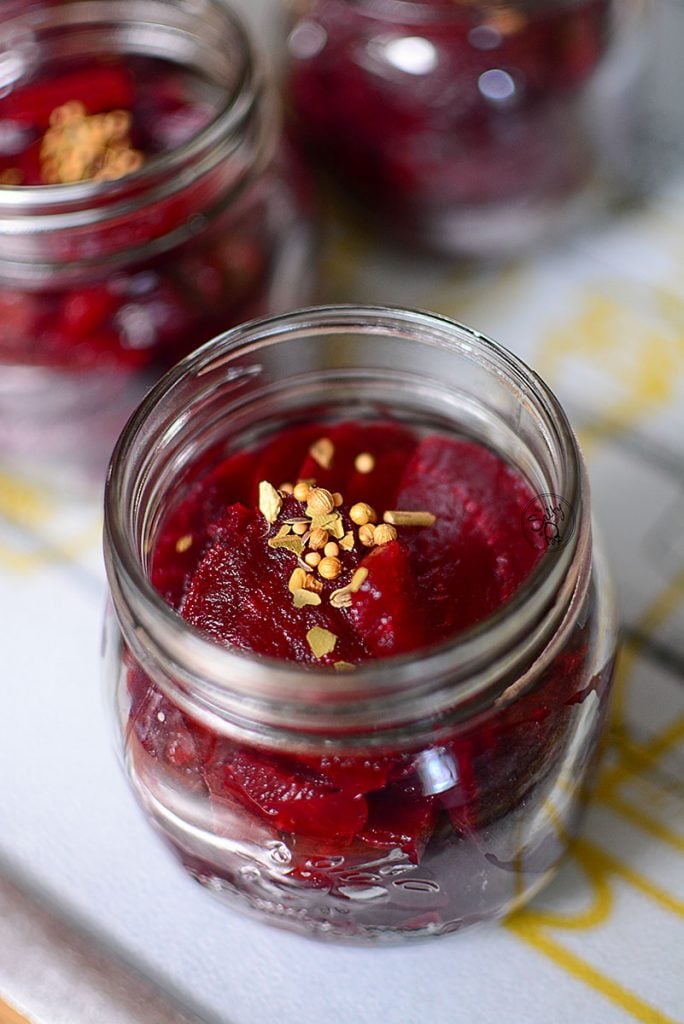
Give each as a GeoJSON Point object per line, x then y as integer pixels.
{"type": "Point", "coordinates": [330, 568]}
{"type": "Point", "coordinates": [362, 513]}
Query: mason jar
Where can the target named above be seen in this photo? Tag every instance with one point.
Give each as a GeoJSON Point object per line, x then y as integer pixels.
{"type": "Point", "coordinates": [470, 756]}
{"type": "Point", "coordinates": [106, 281]}
{"type": "Point", "coordinates": [473, 127]}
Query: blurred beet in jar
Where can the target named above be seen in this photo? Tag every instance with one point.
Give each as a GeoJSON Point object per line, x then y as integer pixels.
{"type": "Point", "coordinates": [146, 203]}
{"type": "Point", "coordinates": [469, 126]}
{"type": "Point", "coordinates": [361, 642]}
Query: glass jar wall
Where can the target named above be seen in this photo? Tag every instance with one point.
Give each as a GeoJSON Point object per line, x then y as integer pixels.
{"type": "Point", "coordinates": [108, 275]}
{"type": "Point", "coordinates": [416, 794]}
{"type": "Point", "coordinates": [472, 127]}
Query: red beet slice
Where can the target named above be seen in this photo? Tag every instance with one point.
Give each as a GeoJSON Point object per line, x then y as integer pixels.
{"type": "Point", "coordinates": [353, 774]}
{"type": "Point", "coordinates": [290, 797]}
{"type": "Point", "coordinates": [390, 445]}
{"type": "Point", "coordinates": [166, 733]}
{"type": "Point", "coordinates": [400, 816]}
{"type": "Point", "coordinates": [239, 597]}
{"type": "Point", "coordinates": [387, 612]}
{"type": "Point", "coordinates": [223, 579]}
{"type": "Point", "coordinates": [186, 533]}
{"type": "Point", "coordinates": [100, 89]}
{"type": "Point", "coordinates": [475, 555]}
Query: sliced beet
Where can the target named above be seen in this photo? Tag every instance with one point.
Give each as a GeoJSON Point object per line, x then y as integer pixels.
{"type": "Point", "coordinates": [387, 612]}
{"type": "Point", "coordinates": [87, 310]}
{"type": "Point", "coordinates": [224, 579]}
{"type": "Point", "coordinates": [353, 774]}
{"type": "Point", "coordinates": [166, 733]}
{"type": "Point", "coordinates": [290, 797]}
{"type": "Point", "coordinates": [186, 532]}
{"type": "Point", "coordinates": [476, 553]}
{"type": "Point", "coordinates": [100, 89]}
{"type": "Point", "coordinates": [400, 815]}
{"type": "Point", "coordinates": [390, 445]}
{"type": "Point", "coordinates": [239, 596]}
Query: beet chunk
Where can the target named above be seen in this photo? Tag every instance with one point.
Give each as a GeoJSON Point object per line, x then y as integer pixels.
{"type": "Point", "coordinates": [386, 612]}
{"type": "Point", "coordinates": [289, 795]}
{"type": "Point", "coordinates": [390, 445]}
{"type": "Point", "coordinates": [475, 555]}
{"type": "Point", "coordinates": [400, 815]}
{"type": "Point", "coordinates": [239, 597]}
{"type": "Point", "coordinates": [166, 733]}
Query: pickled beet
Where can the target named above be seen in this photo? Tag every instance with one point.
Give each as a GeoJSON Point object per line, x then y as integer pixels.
{"type": "Point", "coordinates": [451, 103]}
{"type": "Point", "coordinates": [400, 815]}
{"type": "Point", "coordinates": [165, 732]}
{"type": "Point", "coordinates": [149, 89]}
{"type": "Point", "coordinates": [213, 562]}
{"type": "Point", "coordinates": [388, 611]}
{"type": "Point", "coordinates": [101, 87]}
{"type": "Point", "coordinates": [414, 592]}
{"type": "Point", "coordinates": [156, 308]}
{"type": "Point", "coordinates": [238, 596]}
{"type": "Point", "coordinates": [477, 536]}
{"type": "Point", "coordinates": [293, 798]}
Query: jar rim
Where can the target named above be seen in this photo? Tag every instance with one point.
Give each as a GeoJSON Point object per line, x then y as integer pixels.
{"type": "Point", "coordinates": [418, 12]}
{"type": "Point", "coordinates": [73, 198]}
{"type": "Point", "coordinates": [259, 680]}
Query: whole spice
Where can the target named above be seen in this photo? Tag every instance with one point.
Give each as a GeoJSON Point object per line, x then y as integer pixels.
{"type": "Point", "coordinates": [321, 641]}
{"type": "Point", "coordinates": [364, 463]}
{"type": "Point", "coordinates": [303, 597]}
{"type": "Point", "coordinates": [331, 521]}
{"type": "Point", "coordinates": [312, 583]}
{"type": "Point", "coordinates": [330, 568]}
{"type": "Point", "coordinates": [79, 147]}
{"type": "Point", "coordinates": [296, 581]}
{"type": "Point", "coordinates": [301, 490]}
{"type": "Point", "coordinates": [362, 513]}
{"type": "Point", "coordinates": [318, 539]}
{"type": "Point", "coordinates": [294, 544]}
{"type": "Point", "coordinates": [319, 502]}
{"type": "Point", "coordinates": [397, 518]}
{"type": "Point", "coordinates": [270, 502]}
{"type": "Point", "coordinates": [367, 535]}
{"type": "Point", "coordinates": [322, 452]}
{"type": "Point", "coordinates": [384, 533]}
{"type": "Point", "coordinates": [342, 598]}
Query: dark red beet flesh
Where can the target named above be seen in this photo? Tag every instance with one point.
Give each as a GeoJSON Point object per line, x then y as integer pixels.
{"type": "Point", "coordinates": [212, 562]}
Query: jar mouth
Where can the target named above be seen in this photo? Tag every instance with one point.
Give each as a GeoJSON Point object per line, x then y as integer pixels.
{"type": "Point", "coordinates": [242, 82]}
{"type": "Point", "coordinates": [282, 692]}
{"type": "Point", "coordinates": [416, 12]}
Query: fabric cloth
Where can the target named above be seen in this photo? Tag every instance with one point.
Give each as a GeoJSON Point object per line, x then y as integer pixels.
{"type": "Point", "coordinates": [602, 319]}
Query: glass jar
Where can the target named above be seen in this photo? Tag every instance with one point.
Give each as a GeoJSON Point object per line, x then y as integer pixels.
{"type": "Point", "coordinates": [472, 127]}
{"type": "Point", "coordinates": [105, 283]}
{"type": "Point", "coordinates": [485, 741]}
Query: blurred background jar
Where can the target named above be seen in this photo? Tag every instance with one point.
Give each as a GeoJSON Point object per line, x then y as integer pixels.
{"type": "Point", "coordinates": [474, 127]}
{"type": "Point", "coordinates": [146, 202]}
